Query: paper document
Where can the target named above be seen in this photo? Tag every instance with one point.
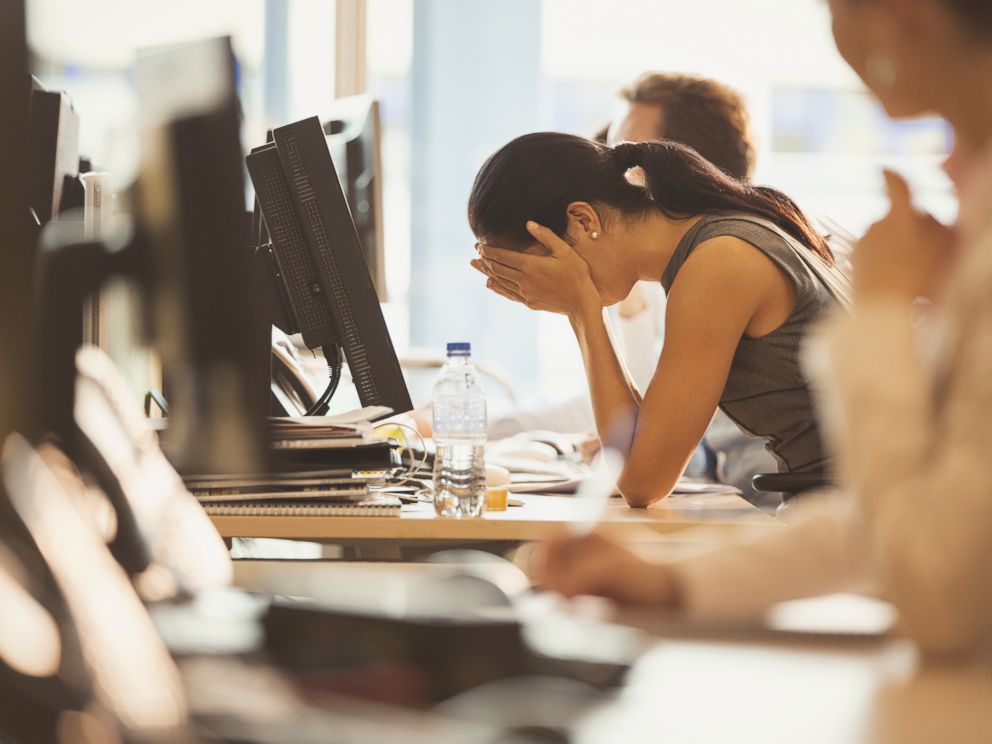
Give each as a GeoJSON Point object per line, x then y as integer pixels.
{"type": "Point", "coordinates": [691, 488]}
{"type": "Point", "coordinates": [349, 418]}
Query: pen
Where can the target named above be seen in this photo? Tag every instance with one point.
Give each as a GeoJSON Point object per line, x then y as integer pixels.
{"type": "Point", "coordinates": [595, 492]}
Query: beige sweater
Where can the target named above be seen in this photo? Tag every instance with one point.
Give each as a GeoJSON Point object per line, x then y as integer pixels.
{"type": "Point", "coordinates": [914, 438]}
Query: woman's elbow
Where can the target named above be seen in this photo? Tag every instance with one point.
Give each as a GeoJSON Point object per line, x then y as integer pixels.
{"type": "Point", "coordinates": [638, 500]}
{"type": "Point", "coordinates": [640, 495]}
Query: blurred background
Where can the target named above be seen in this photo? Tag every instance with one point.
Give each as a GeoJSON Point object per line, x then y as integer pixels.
{"type": "Point", "coordinates": [458, 79]}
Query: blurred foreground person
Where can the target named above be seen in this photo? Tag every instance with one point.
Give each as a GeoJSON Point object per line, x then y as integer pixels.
{"type": "Point", "coordinates": [910, 421]}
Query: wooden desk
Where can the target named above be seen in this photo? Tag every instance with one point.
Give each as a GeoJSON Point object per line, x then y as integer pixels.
{"type": "Point", "coordinates": [747, 692]}
{"type": "Point", "coordinates": [540, 515]}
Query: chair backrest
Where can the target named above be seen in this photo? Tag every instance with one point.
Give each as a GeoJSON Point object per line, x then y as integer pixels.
{"type": "Point", "coordinates": [790, 484]}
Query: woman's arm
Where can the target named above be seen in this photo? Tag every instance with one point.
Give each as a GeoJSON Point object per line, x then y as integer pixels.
{"type": "Point", "coordinates": [916, 449]}
{"type": "Point", "coordinates": [717, 292]}
{"type": "Point", "coordinates": [922, 479]}
{"type": "Point", "coordinates": [615, 398]}
{"type": "Point", "coordinates": [560, 282]}
{"type": "Point", "coordinates": [821, 551]}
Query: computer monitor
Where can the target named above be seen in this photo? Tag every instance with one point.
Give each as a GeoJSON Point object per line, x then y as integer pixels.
{"type": "Point", "coordinates": [209, 327]}
{"type": "Point", "coordinates": [353, 132]}
{"type": "Point", "coordinates": [54, 153]}
{"type": "Point", "coordinates": [19, 388]}
{"type": "Point", "coordinates": [320, 259]}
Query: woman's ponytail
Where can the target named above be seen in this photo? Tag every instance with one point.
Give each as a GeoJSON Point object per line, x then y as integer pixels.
{"type": "Point", "coordinates": [681, 182]}
{"type": "Point", "coordinates": [627, 155]}
{"type": "Point", "coordinates": [536, 176]}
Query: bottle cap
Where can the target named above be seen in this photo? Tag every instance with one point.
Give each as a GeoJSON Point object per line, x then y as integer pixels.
{"type": "Point", "coordinates": [459, 348]}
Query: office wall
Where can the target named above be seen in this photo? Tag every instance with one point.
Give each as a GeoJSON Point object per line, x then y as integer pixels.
{"type": "Point", "coordinates": [473, 89]}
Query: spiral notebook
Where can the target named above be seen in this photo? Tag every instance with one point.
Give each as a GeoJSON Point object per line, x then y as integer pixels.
{"type": "Point", "coordinates": [378, 506]}
{"type": "Point", "coordinates": [339, 495]}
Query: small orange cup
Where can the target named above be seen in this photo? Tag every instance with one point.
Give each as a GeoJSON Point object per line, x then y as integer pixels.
{"type": "Point", "coordinates": [496, 498]}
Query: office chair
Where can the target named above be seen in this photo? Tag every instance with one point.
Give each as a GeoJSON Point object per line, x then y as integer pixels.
{"type": "Point", "coordinates": [789, 484]}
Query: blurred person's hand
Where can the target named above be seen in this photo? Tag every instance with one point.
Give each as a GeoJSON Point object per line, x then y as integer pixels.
{"type": "Point", "coordinates": [904, 255]}
{"type": "Point", "coordinates": [557, 280]}
{"type": "Point", "coordinates": [595, 565]}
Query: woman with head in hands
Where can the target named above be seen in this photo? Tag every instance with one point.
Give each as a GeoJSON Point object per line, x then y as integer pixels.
{"type": "Point", "coordinates": [570, 225]}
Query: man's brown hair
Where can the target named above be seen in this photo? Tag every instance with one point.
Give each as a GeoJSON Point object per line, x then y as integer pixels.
{"type": "Point", "coordinates": [708, 116]}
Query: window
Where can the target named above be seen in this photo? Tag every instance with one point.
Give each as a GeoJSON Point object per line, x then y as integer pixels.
{"type": "Point", "coordinates": [285, 53]}
{"type": "Point", "coordinates": [458, 80]}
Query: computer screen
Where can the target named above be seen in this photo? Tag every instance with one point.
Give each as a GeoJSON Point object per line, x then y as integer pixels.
{"type": "Point", "coordinates": [353, 136]}
{"type": "Point", "coordinates": [321, 261]}
{"type": "Point", "coordinates": [54, 151]}
{"type": "Point", "coordinates": [19, 389]}
{"type": "Point", "coordinates": [353, 131]}
{"type": "Point", "coordinates": [209, 328]}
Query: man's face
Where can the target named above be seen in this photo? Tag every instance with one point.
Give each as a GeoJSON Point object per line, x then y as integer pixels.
{"type": "Point", "coordinates": [636, 122]}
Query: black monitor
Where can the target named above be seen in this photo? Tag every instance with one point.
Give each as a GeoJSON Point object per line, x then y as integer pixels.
{"type": "Point", "coordinates": [354, 136]}
{"type": "Point", "coordinates": [54, 153]}
{"type": "Point", "coordinates": [19, 388]}
{"type": "Point", "coordinates": [321, 262]}
{"type": "Point", "coordinates": [208, 324]}
{"type": "Point", "coordinates": [187, 251]}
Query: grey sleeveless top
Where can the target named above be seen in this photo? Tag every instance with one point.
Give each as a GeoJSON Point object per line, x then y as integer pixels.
{"type": "Point", "coordinates": [766, 393]}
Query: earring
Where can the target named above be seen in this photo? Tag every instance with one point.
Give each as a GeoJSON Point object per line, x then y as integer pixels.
{"type": "Point", "coordinates": [881, 71]}
{"type": "Point", "coordinates": [594, 235]}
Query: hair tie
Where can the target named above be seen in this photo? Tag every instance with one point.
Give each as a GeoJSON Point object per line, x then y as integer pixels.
{"type": "Point", "coordinates": [626, 155]}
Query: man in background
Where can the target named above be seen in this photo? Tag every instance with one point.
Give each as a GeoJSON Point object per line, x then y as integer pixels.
{"type": "Point", "coordinates": [707, 115]}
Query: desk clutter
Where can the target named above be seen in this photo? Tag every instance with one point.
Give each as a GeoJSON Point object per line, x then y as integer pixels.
{"type": "Point", "coordinates": [324, 466]}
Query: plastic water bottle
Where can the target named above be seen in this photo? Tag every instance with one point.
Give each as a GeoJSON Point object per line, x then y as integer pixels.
{"type": "Point", "coordinates": [459, 437]}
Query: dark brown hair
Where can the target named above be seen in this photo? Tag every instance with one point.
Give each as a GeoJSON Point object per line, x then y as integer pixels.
{"type": "Point", "coordinates": [976, 15]}
{"type": "Point", "coordinates": [536, 177]}
{"type": "Point", "coordinates": [708, 116]}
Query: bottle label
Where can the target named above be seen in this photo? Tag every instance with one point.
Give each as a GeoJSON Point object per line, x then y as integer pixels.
{"type": "Point", "coordinates": [458, 418]}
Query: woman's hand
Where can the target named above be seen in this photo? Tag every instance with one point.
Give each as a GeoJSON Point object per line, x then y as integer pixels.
{"type": "Point", "coordinates": [594, 564]}
{"type": "Point", "coordinates": [559, 282]}
{"type": "Point", "coordinates": [904, 255]}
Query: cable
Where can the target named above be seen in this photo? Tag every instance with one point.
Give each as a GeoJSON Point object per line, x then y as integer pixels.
{"type": "Point", "coordinates": [332, 356]}
{"type": "Point", "coordinates": [155, 396]}
{"type": "Point", "coordinates": [415, 467]}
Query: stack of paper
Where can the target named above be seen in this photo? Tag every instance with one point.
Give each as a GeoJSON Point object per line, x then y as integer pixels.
{"type": "Point", "coordinates": [344, 441]}
{"type": "Point", "coordinates": [323, 465]}
{"type": "Point", "coordinates": [315, 486]}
